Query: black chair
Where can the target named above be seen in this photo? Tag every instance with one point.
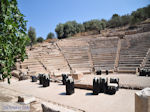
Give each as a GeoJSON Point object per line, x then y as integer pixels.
{"type": "Point", "coordinates": [111, 90]}
{"type": "Point", "coordinates": [41, 76]}
{"type": "Point", "coordinates": [107, 72]}
{"type": "Point", "coordinates": [96, 88]}
{"type": "Point", "coordinates": [46, 81]}
{"type": "Point", "coordinates": [98, 72]}
{"type": "Point", "coordinates": [143, 72]}
{"type": "Point", "coordinates": [115, 81]}
{"type": "Point", "coordinates": [148, 73]}
{"type": "Point", "coordinates": [64, 77]}
{"type": "Point", "coordinates": [69, 86]}
{"type": "Point", "coordinates": [103, 85]}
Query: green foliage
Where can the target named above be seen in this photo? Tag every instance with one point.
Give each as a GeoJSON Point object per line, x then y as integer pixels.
{"type": "Point", "coordinates": [32, 35]}
{"type": "Point", "coordinates": [13, 38]}
{"type": "Point", "coordinates": [71, 28]}
{"type": "Point", "coordinates": [40, 39]}
{"type": "Point", "coordinates": [137, 16]}
{"type": "Point", "coordinates": [94, 25]}
{"type": "Point", "coordinates": [60, 31]}
{"type": "Point", "coordinates": [68, 29]}
{"type": "Point", "coordinates": [104, 23]}
{"type": "Point", "coordinates": [115, 21]}
{"type": "Point", "coordinates": [80, 28]}
{"type": "Point", "coordinates": [147, 11]}
{"type": "Point", "coordinates": [50, 35]}
{"type": "Point", "coordinates": [125, 19]}
{"type": "Point", "coordinates": [140, 15]}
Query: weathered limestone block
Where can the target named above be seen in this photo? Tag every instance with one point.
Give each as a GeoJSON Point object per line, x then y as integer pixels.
{"type": "Point", "coordinates": [142, 100]}
{"type": "Point", "coordinates": [77, 76]}
{"type": "Point", "coordinates": [51, 107]}
{"type": "Point", "coordinates": [16, 73]}
{"type": "Point", "coordinates": [45, 108]}
{"type": "Point", "coordinates": [26, 99]}
{"type": "Point", "coordinates": [83, 86]}
{"type": "Point", "coordinates": [23, 77]}
{"type": "Point", "coordinates": [137, 71]}
{"type": "Point", "coordinates": [24, 71]}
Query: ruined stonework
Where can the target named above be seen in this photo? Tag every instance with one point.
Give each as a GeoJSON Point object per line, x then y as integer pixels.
{"type": "Point", "coordinates": [142, 100]}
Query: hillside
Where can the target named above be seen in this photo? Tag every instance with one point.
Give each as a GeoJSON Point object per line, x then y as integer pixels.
{"type": "Point", "coordinates": [144, 26]}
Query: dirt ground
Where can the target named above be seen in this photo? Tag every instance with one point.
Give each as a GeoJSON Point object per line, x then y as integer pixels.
{"type": "Point", "coordinates": [122, 101]}
{"type": "Point", "coordinates": [8, 95]}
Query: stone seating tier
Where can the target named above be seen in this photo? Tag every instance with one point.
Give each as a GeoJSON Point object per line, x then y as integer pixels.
{"type": "Point", "coordinates": [133, 51]}
{"type": "Point", "coordinates": [82, 54]}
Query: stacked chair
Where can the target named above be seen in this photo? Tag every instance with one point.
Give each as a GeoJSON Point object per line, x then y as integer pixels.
{"type": "Point", "coordinates": [40, 78]}
{"type": "Point", "coordinates": [44, 79]}
{"type": "Point", "coordinates": [144, 72]}
{"type": "Point", "coordinates": [107, 72]}
{"type": "Point", "coordinates": [69, 86]}
{"type": "Point", "coordinates": [101, 85]}
{"type": "Point", "coordinates": [98, 72]}
{"type": "Point", "coordinates": [96, 88]}
{"type": "Point", "coordinates": [113, 86]}
{"type": "Point", "coordinates": [69, 82]}
{"type": "Point", "coordinates": [64, 77]}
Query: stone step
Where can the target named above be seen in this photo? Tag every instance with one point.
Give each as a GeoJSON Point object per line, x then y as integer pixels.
{"type": "Point", "coordinates": [126, 68]}
{"type": "Point", "coordinates": [121, 65]}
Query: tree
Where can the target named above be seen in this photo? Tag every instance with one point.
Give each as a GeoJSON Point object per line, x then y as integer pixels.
{"type": "Point", "coordinates": [147, 11]}
{"type": "Point", "coordinates": [80, 28]}
{"type": "Point", "coordinates": [60, 31]}
{"type": "Point", "coordinates": [125, 19]}
{"type": "Point", "coordinates": [32, 35]}
{"type": "Point", "coordinates": [139, 15]}
{"type": "Point", "coordinates": [50, 35]}
{"type": "Point", "coordinates": [13, 37]}
{"type": "Point", "coordinates": [115, 21]}
{"type": "Point", "coordinates": [68, 29]}
{"type": "Point", "coordinates": [94, 25]}
{"type": "Point", "coordinates": [40, 39]}
{"type": "Point", "coordinates": [104, 22]}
